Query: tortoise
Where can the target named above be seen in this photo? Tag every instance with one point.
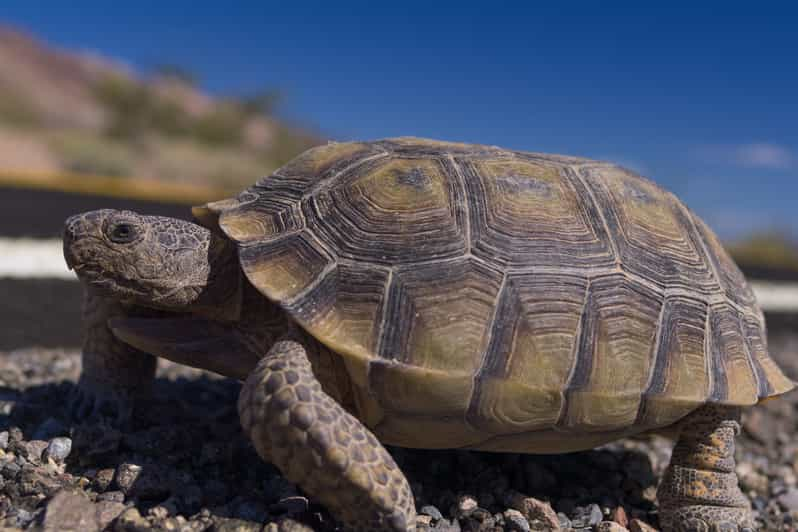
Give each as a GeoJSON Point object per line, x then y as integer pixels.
{"type": "Point", "coordinates": [430, 294]}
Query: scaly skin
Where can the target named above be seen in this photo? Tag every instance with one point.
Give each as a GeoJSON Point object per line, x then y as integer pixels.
{"type": "Point", "coordinates": [114, 373]}
{"type": "Point", "coordinates": [699, 490]}
{"type": "Point", "coordinates": [316, 444]}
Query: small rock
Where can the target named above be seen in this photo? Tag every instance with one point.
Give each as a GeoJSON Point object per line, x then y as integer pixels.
{"type": "Point", "coordinates": [534, 509]}
{"type": "Point", "coordinates": [102, 480]}
{"type": "Point", "coordinates": [131, 521]}
{"type": "Point", "coordinates": [514, 520]}
{"type": "Point", "coordinates": [287, 524]}
{"type": "Point", "coordinates": [146, 482]}
{"type": "Point", "coordinates": [111, 496]}
{"type": "Point", "coordinates": [126, 475]}
{"type": "Point", "coordinates": [610, 526]}
{"type": "Point", "coordinates": [445, 525]}
{"type": "Point", "coordinates": [4, 440]}
{"type": "Point", "coordinates": [22, 518]}
{"type": "Point", "coordinates": [223, 524]}
{"type": "Point", "coordinates": [423, 520]}
{"type": "Point", "coordinates": [58, 449]}
{"type": "Point", "coordinates": [636, 525]}
{"type": "Point", "coordinates": [789, 500]}
{"type": "Point", "coordinates": [466, 505]}
{"type": "Point", "coordinates": [595, 516]}
{"type": "Point", "coordinates": [650, 494]}
{"type": "Point", "coordinates": [35, 449]}
{"type": "Point", "coordinates": [107, 511]}
{"type": "Point", "coordinates": [70, 510]}
{"type": "Point", "coordinates": [431, 511]}
{"type": "Point", "coordinates": [619, 516]}
{"type": "Point", "coordinates": [565, 522]}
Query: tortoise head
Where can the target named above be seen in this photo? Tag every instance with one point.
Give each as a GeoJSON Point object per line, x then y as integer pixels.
{"type": "Point", "coordinates": [154, 261]}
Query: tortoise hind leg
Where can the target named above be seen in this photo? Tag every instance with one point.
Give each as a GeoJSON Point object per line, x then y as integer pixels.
{"type": "Point", "coordinates": [317, 445]}
{"type": "Point", "coordinates": [699, 490]}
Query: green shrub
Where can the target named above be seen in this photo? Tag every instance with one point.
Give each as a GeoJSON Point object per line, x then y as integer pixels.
{"type": "Point", "coordinates": [92, 155]}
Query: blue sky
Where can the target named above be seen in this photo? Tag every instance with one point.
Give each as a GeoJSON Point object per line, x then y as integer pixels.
{"type": "Point", "coordinates": [701, 97]}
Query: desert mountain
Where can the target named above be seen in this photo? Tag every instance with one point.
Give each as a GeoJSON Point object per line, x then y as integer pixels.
{"type": "Point", "coordinates": [67, 111]}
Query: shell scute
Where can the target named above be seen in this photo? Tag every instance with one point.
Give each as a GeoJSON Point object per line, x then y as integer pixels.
{"type": "Point", "coordinates": [651, 230]}
{"type": "Point", "coordinates": [392, 211]}
{"type": "Point", "coordinates": [510, 294]}
{"type": "Point", "coordinates": [528, 213]}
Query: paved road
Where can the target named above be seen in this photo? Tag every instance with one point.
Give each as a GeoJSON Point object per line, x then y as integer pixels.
{"type": "Point", "coordinates": [40, 214]}
{"type": "Point", "coordinates": [46, 312]}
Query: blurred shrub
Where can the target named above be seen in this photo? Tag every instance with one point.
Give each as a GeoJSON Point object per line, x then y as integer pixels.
{"type": "Point", "coordinates": [223, 125]}
{"type": "Point", "coordinates": [16, 111]}
{"type": "Point", "coordinates": [263, 102]}
{"type": "Point", "coordinates": [288, 143]}
{"type": "Point", "coordinates": [135, 110]}
{"type": "Point", "coordinates": [766, 250]}
{"type": "Point", "coordinates": [90, 154]}
{"type": "Point", "coordinates": [224, 167]}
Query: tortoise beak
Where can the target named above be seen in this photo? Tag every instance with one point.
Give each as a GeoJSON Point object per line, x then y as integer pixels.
{"type": "Point", "coordinates": [77, 229]}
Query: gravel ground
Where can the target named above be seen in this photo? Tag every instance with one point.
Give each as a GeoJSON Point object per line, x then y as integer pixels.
{"type": "Point", "coordinates": [184, 465]}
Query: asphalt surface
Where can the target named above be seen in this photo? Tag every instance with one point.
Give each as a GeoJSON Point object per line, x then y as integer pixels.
{"type": "Point", "coordinates": [40, 214]}
{"type": "Point", "coordinates": [46, 312]}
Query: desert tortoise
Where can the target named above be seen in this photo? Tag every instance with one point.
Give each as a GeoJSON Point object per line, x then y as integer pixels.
{"type": "Point", "coordinates": [446, 296]}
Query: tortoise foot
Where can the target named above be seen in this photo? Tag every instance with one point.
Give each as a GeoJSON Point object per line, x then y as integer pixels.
{"type": "Point", "coordinates": [699, 490]}
{"type": "Point", "coordinates": [711, 519]}
{"type": "Point", "coordinates": [317, 445]}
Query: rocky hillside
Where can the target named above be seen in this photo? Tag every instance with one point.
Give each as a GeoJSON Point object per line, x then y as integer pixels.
{"type": "Point", "coordinates": [78, 113]}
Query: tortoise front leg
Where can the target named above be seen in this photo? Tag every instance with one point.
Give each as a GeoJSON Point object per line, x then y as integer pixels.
{"type": "Point", "coordinates": [699, 490]}
{"type": "Point", "coordinates": [113, 373]}
{"type": "Point", "coordinates": [317, 445]}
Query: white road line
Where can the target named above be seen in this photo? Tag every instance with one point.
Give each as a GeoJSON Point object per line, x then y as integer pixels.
{"type": "Point", "coordinates": [28, 258]}
{"type": "Point", "coordinates": [776, 296]}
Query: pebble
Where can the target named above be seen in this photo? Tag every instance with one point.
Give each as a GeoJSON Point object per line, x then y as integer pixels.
{"type": "Point", "coordinates": [789, 500]}
{"type": "Point", "coordinates": [466, 505]}
{"type": "Point", "coordinates": [111, 496]}
{"type": "Point", "coordinates": [289, 525]}
{"type": "Point", "coordinates": [126, 474]}
{"type": "Point", "coordinates": [4, 440]}
{"type": "Point", "coordinates": [610, 526]}
{"type": "Point", "coordinates": [423, 520]}
{"type": "Point", "coordinates": [35, 449]}
{"type": "Point", "coordinates": [58, 449]}
{"type": "Point", "coordinates": [146, 482]}
{"type": "Point", "coordinates": [619, 516]}
{"type": "Point", "coordinates": [514, 520]}
{"type": "Point", "coordinates": [131, 521]}
{"type": "Point", "coordinates": [534, 509]}
{"type": "Point", "coordinates": [431, 511]}
{"type": "Point", "coordinates": [107, 511]}
{"type": "Point", "coordinates": [595, 515]}
{"type": "Point", "coordinates": [102, 480]}
{"type": "Point", "coordinates": [636, 525]}
{"type": "Point", "coordinates": [70, 510]}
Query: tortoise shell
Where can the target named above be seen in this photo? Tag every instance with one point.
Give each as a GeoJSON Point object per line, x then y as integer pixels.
{"type": "Point", "coordinates": [502, 293]}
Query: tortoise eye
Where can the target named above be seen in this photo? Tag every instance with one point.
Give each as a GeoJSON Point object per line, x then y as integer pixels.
{"type": "Point", "coordinates": [123, 233]}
